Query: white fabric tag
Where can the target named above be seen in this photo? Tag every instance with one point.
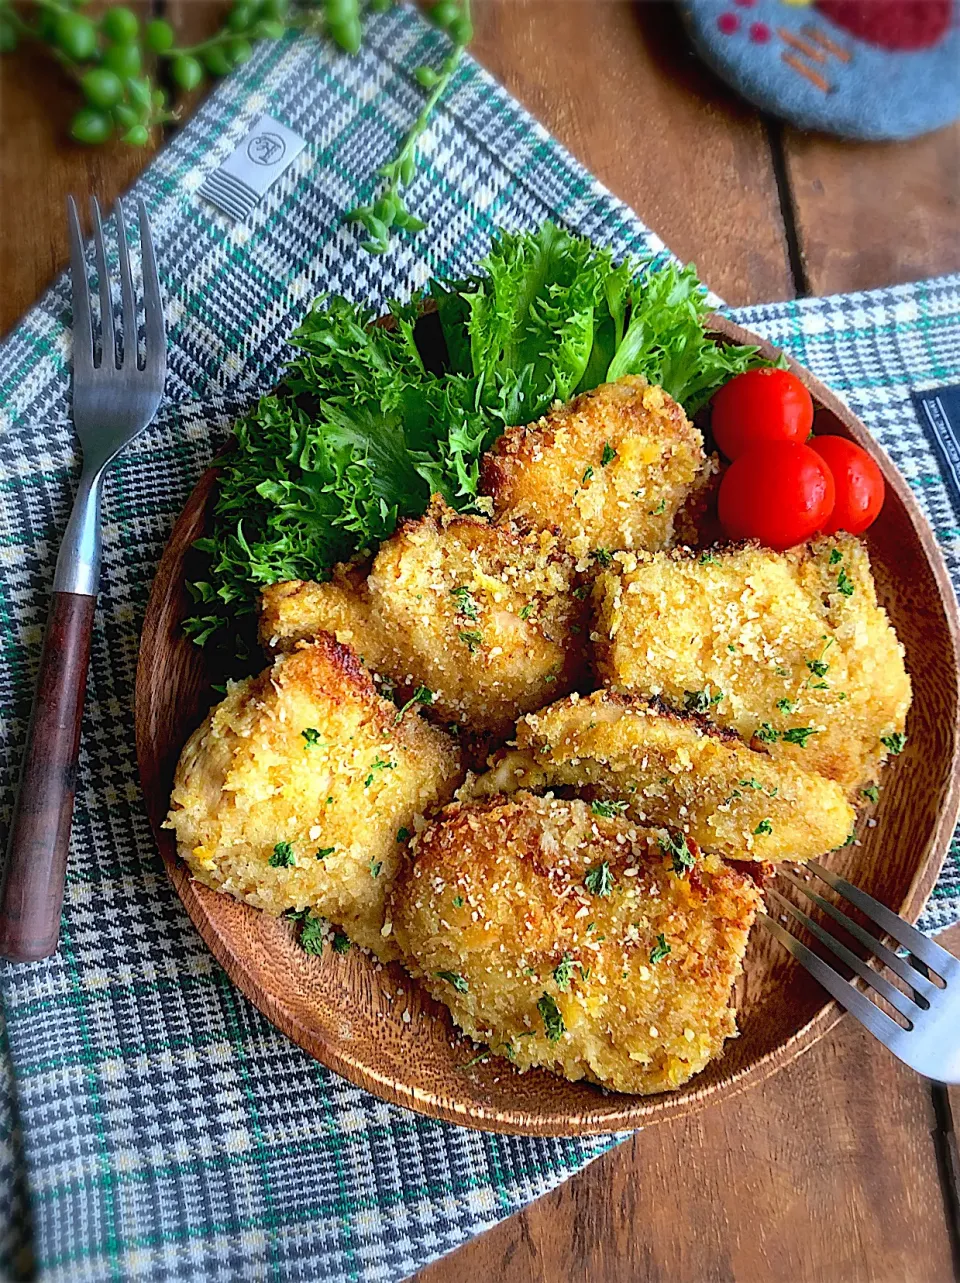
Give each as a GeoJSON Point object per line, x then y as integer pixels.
{"type": "Point", "coordinates": [252, 168]}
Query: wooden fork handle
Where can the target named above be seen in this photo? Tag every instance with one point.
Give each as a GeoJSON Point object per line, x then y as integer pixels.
{"type": "Point", "coordinates": [31, 894]}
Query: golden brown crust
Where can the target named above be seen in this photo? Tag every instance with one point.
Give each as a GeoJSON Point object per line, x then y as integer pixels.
{"type": "Point", "coordinates": [675, 769]}
{"type": "Point", "coordinates": [770, 640]}
{"type": "Point", "coordinates": [608, 470]}
{"type": "Point", "coordinates": [503, 892]}
{"type": "Point", "coordinates": [485, 617]}
{"type": "Point", "coordinates": [308, 756]}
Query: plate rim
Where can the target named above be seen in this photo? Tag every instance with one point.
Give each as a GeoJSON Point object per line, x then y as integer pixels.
{"type": "Point", "coordinates": [641, 1110]}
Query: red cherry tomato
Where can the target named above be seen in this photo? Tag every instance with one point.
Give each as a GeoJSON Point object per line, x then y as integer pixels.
{"type": "Point", "coordinates": [761, 405]}
{"type": "Point", "coordinates": [859, 484]}
{"type": "Point", "coordinates": [779, 493]}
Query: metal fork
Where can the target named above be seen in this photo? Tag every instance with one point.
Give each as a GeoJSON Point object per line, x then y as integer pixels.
{"type": "Point", "coordinates": [929, 1039]}
{"type": "Point", "coordinates": [114, 399]}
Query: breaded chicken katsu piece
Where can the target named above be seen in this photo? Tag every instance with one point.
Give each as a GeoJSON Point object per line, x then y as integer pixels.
{"type": "Point", "coordinates": [609, 470]}
{"type": "Point", "coordinates": [298, 610]}
{"type": "Point", "coordinates": [487, 619]}
{"type": "Point", "coordinates": [586, 945]}
{"type": "Point", "coordinates": [791, 650]}
{"type": "Point", "coordinates": [635, 757]}
{"type": "Point", "coordinates": [293, 791]}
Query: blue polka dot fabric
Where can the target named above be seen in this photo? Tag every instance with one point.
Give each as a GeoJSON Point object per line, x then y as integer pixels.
{"type": "Point", "coordinates": [872, 69]}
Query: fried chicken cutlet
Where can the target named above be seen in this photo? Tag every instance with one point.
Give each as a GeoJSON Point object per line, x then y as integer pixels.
{"type": "Point", "coordinates": [791, 650]}
{"type": "Point", "coordinates": [633, 756]}
{"type": "Point", "coordinates": [586, 945]}
{"type": "Point", "coordinates": [483, 617]}
{"type": "Point", "coordinates": [609, 470]}
{"type": "Point", "coordinates": [293, 791]}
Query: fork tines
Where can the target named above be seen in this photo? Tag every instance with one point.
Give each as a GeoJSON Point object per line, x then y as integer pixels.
{"type": "Point", "coordinates": [126, 358]}
{"type": "Point", "coordinates": [929, 1036]}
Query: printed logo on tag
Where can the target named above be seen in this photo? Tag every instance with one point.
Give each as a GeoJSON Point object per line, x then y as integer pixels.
{"type": "Point", "coordinates": [252, 168]}
{"type": "Point", "coordinates": [939, 412]}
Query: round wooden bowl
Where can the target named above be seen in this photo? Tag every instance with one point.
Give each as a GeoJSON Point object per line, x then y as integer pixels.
{"type": "Point", "coordinates": [377, 1028]}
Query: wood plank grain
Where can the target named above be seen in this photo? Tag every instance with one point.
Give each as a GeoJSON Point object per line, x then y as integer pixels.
{"type": "Point", "coordinates": [616, 83]}
{"type": "Point", "coordinates": [947, 1104]}
{"type": "Point", "coordinates": [827, 1172]}
{"type": "Point", "coordinates": [40, 166]}
{"type": "Point", "coordinates": [874, 214]}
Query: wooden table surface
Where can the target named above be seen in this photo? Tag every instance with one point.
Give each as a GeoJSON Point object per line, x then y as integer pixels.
{"type": "Point", "coordinates": [833, 1171]}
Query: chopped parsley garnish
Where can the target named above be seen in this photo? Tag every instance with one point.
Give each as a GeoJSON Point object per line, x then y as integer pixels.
{"type": "Point", "coordinates": [660, 508]}
{"type": "Point", "coordinates": [482, 1056]}
{"type": "Point", "coordinates": [731, 648]}
{"type": "Point", "coordinates": [422, 695]}
{"type": "Point", "coordinates": [312, 736]}
{"type": "Point", "coordinates": [683, 858]}
{"type": "Point", "coordinates": [471, 639]}
{"type": "Point", "coordinates": [764, 827]}
{"type": "Point", "coordinates": [403, 834]}
{"type": "Point", "coordinates": [700, 701]}
{"type": "Point", "coordinates": [608, 810]}
{"type": "Point", "coordinates": [845, 584]}
{"type": "Point", "coordinates": [553, 1024]}
{"type": "Point", "coordinates": [563, 973]}
{"type": "Point", "coordinates": [585, 972]}
{"type": "Point", "coordinates": [599, 879]}
{"type": "Point", "coordinates": [602, 556]}
{"type": "Point", "coordinates": [836, 556]}
{"type": "Point", "coordinates": [378, 765]}
{"type": "Point", "coordinates": [324, 851]}
{"type": "Point", "coordinates": [340, 943]}
{"type": "Point", "coordinates": [387, 685]}
{"type": "Point", "coordinates": [786, 705]}
{"type": "Point", "coordinates": [311, 935]}
{"type": "Point", "coordinates": [708, 559]}
{"type": "Point", "coordinates": [608, 455]}
{"type": "Point", "coordinates": [458, 901]}
{"type": "Point", "coordinates": [587, 476]}
{"type": "Point", "coordinates": [527, 610]}
{"type": "Point", "coordinates": [466, 602]}
{"type": "Point", "coordinates": [766, 734]}
{"type": "Point", "coordinates": [751, 783]}
{"type": "Point", "coordinates": [895, 742]}
{"type": "Point", "coordinates": [799, 735]}
{"type": "Point", "coordinates": [659, 950]}
{"type": "Point", "coordinates": [453, 978]}
{"type": "Point", "coordinates": [818, 667]}
{"type": "Point", "coordinates": [283, 857]}
{"type": "Point", "coordinates": [375, 867]}
{"type": "Point", "coordinates": [871, 792]}
{"type": "Point", "coordinates": [851, 838]}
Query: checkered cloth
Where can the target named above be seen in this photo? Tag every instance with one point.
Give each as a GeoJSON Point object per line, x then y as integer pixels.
{"type": "Point", "coordinates": [152, 1124]}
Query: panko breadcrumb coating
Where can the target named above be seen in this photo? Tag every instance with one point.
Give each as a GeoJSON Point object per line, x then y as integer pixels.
{"type": "Point", "coordinates": [609, 470]}
{"type": "Point", "coordinates": [790, 648]}
{"type": "Point", "coordinates": [292, 792]}
{"type": "Point", "coordinates": [566, 940]}
{"type": "Point", "coordinates": [299, 610]}
{"type": "Point", "coordinates": [485, 617]}
{"type": "Point", "coordinates": [666, 768]}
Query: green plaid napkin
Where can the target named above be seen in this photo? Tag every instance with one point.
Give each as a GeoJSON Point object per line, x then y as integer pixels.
{"type": "Point", "coordinates": [152, 1124]}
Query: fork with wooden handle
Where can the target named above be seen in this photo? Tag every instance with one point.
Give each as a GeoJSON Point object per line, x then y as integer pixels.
{"type": "Point", "coordinates": [114, 399]}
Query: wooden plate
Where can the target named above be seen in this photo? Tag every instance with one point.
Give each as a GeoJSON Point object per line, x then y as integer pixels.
{"type": "Point", "coordinates": [374, 1026]}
